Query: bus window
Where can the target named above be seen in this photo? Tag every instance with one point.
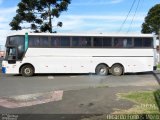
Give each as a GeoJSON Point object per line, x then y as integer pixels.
{"type": "Point", "coordinates": [44, 42]}
{"type": "Point", "coordinates": [123, 42]}
{"type": "Point", "coordinates": [11, 53]}
{"type": "Point", "coordinates": [107, 42]}
{"type": "Point", "coordinates": [81, 42]}
{"type": "Point", "coordinates": [97, 42]}
{"type": "Point", "coordinates": [75, 42]}
{"type": "Point", "coordinates": [118, 42]}
{"type": "Point", "coordinates": [138, 42]}
{"type": "Point", "coordinates": [65, 41]}
{"type": "Point", "coordinates": [55, 41]}
{"type": "Point", "coordinates": [16, 40]}
{"type": "Point", "coordinates": [85, 41]}
{"type": "Point", "coordinates": [147, 42]}
{"type": "Point", "coordinates": [127, 42]}
{"type": "Point", "coordinates": [13, 41]}
{"type": "Point", "coordinates": [34, 41]}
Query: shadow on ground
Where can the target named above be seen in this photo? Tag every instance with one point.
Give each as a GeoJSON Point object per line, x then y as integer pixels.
{"type": "Point", "coordinates": [83, 74]}
{"type": "Point", "coordinates": [157, 76]}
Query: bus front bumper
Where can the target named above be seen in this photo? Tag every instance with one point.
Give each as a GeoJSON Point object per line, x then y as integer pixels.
{"type": "Point", "coordinates": [3, 69]}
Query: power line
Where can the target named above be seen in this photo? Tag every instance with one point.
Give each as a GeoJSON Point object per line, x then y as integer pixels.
{"type": "Point", "coordinates": [134, 15]}
{"type": "Point", "coordinates": [127, 15]}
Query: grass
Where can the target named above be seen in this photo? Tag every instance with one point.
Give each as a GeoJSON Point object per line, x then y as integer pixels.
{"type": "Point", "coordinates": [146, 103]}
{"type": "Point", "coordinates": [158, 66]}
{"type": "Point", "coordinates": [157, 97]}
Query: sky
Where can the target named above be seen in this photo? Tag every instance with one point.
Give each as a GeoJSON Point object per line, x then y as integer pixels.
{"type": "Point", "coordinates": [88, 16]}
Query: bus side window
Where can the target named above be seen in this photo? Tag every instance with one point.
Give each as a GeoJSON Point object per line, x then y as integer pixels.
{"type": "Point", "coordinates": [55, 41]}
{"type": "Point", "coordinates": [147, 42]}
{"type": "Point", "coordinates": [75, 41]}
{"type": "Point", "coordinates": [44, 42]}
{"type": "Point", "coordinates": [107, 42]}
{"type": "Point", "coordinates": [34, 41]}
{"type": "Point", "coordinates": [138, 42]}
{"type": "Point", "coordinates": [127, 43]}
{"type": "Point", "coordinates": [65, 41]}
{"type": "Point", "coordinates": [81, 42]}
{"type": "Point", "coordinates": [118, 42]}
{"type": "Point", "coordinates": [85, 41]}
{"type": "Point", "coordinates": [97, 42]}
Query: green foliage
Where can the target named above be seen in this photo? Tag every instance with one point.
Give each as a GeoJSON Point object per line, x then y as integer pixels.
{"type": "Point", "coordinates": [146, 102]}
{"type": "Point", "coordinates": [157, 97]}
{"type": "Point", "coordinates": [39, 13]}
{"type": "Point", "coordinates": [152, 21]}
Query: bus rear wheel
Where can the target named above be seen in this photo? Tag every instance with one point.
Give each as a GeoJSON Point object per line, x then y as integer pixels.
{"type": "Point", "coordinates": [27, 71]}
{"type": "Point", "coordinates": [102, 70]}
{"type": "Point", "coordinates": [117, 70]}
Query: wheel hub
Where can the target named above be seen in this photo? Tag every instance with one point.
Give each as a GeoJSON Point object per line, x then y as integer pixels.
{"type": "Point", "coordinates": [117, 69]}
{"type": "Point", "coordinates": [102, 71]}
{"type": "Point", "coordinates": [27, 71]}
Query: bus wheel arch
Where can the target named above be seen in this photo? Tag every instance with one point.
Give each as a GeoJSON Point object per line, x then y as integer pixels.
{"type": "Point", "coordinates": [102, 69]}
{"type": "Point", "coordinates": [27, 70]}
{"type": "Point", "coordinates": [117, 69]}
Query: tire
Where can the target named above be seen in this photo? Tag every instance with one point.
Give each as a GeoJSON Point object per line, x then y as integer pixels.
{"type": "Point", "coordinates": [102, 70]}
{"type": "Point", "coordinates": [27, 71]}
{"type": "Point", "coordinates": [116, 70]}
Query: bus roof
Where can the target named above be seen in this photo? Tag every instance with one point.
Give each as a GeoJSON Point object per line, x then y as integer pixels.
{"type": "Point", "coordinates": [87, 34]}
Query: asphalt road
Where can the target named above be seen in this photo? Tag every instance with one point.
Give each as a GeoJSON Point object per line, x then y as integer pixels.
{"type": "Point", "coordinates": [82, 94]}
{"type": "Point", "coordinates": [17, 85]}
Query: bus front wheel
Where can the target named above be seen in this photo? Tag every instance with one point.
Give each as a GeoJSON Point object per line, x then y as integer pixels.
{"type": "Point", "coordinates": [27, 71]}
{"type": "Point", "coordinates": [102, 70]}
{"type": "Point", "coordinates": [116, 70]}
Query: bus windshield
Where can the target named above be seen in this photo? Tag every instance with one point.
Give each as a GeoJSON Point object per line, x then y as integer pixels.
{"type": "Point", "coordinates": [15, 45]}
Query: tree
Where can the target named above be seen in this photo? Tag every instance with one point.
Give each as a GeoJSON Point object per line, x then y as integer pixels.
{"type": "Point", "coordinates": [39, 14]}
{"type": "Point", "coordinates": [152, 21]}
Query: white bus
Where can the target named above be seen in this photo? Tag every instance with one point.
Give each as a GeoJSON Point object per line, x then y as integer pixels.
{"type": "Point", "coordinates": [32, 53]}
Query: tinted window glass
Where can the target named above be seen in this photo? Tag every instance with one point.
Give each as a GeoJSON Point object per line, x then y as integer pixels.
{"type": "Point", "coordinates": [138, 42]}
{"type": "Point", "coordinates": [55, 41]}
{"type": "Point", "coordinates": [147, 42]}
{"type": "Point", "coordinates": [107, 42]}
{"type": "Point", "coordinates": [19, 42]}
{"type": "Point", "coordinates": [98, 42]}
{"type": "Point", "coordinates": [16, 40]}
{"type": "Point", "coordinates": [65, 41]}
{"type": "Point", "coordinates": [123, 42]}
{"type": "Point", "coordinates": [34, 41]}
{"type": "Point", "coordinates": [44, 42]}
{"type": "Point", "coordinates": [118, 42]}
{"type": "Point", "coordinates": [11, 53]}
{"type": "Point", "coordinates": [127, 42]}
{"type": "Point", "coordinates": [75, 42]}
{"type": "Point", "coordinates": [81, 42]}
